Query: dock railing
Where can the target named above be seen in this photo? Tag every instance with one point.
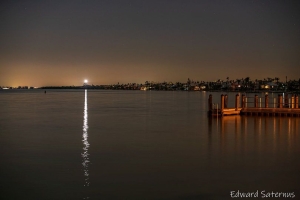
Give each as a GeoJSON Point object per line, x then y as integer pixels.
{"type": "Point", "coordinates": [279, 102]}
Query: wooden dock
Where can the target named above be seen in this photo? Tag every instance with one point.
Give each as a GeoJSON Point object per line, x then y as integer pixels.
{"type": "Point", "coordinates": [288, 107]}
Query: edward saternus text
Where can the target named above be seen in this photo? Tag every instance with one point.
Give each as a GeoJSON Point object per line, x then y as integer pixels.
{"type": "Point", "coordinates": [262, 194]}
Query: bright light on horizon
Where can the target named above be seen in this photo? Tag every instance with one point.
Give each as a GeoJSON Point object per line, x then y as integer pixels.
{"type": "Point", "coordinates": [85, 81]}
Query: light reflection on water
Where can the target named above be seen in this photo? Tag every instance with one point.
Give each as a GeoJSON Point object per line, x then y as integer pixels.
{"type": "Point", "coordinates": [149, 145]}
{"type": "Point", "coordinates": [276, 133]}
{"type": "Point", "coordinates": [260, 123]}
{"type": "Point", "coordinates": [85, 154]}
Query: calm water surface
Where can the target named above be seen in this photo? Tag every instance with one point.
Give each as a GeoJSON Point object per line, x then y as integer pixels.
{"type": "Point", "coordinates": [96, 144]}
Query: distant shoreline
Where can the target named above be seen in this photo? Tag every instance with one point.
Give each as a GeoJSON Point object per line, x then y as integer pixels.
{"type": "Point", "coordinates": [104, 88]}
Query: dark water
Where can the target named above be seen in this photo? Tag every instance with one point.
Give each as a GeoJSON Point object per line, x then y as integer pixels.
{"type": "Point", "coordinates": [77, 144]}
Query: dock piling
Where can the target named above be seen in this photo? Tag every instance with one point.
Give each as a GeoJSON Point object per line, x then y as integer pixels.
{"type": "Point", "coordinates": [260, 102]}
{"type": "Point", "coordinates": [293, 101]}
{"type": "Point", "coordinates": [256, 101]}
{"type": "Point", "coordinates": [279, 101]}
{"type": "Point", "coordinates": [226, 101]}
{"type": "Point", "coordinates": [286, 100]}
{"type": "Point", "coordinates": [222, 102]}
{"type": "Point", "coordinates": [243, 101]}
{"type": "Point", "coordinates": [266, 101]}
{"type": "Point", "coordinates": [237, 101]}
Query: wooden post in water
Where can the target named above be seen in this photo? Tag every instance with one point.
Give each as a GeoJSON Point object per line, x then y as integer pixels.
{"type": "Point", "coordinates": [296, 102]}
{"type": "Point", "coordinates": [260, 102]}
{"type": "Point", "coordinates": [256, 101]}
{"type": "Point", "coordinates": [279, 101]}
{"type": "Point", "coordinates": [210, 104]}
{"type": "Point", "coordinates": [243, 101]}
{"type": "Point", "coordinates": [226, 101]}
{"type": "Point", "coordinates": [293, 101]}
{"type": "Point", "coordinates": [266, 101]}
{"type": "Point", "coordinates": [286, 100]}
{"type": "Point", "coordinates": [237, 101]}
{"type": "Point", "coordinates": [222, 103]}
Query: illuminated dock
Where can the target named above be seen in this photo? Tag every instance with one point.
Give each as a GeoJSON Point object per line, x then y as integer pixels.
{"type": "Point", "coordinates": [278, 107]}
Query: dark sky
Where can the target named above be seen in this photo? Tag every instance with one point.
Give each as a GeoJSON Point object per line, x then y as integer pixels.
{"type": "Point", "coordinates": [64, 42]}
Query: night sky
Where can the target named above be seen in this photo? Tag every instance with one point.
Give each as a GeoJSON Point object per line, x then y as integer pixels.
{"type": "Point", "coordinates": [64, 42]}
